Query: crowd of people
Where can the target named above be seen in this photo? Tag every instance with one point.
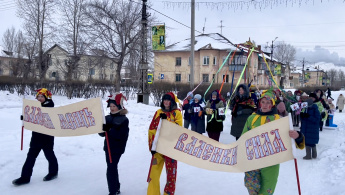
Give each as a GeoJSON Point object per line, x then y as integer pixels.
{"type": "Point", "coordinates": [249, 109]}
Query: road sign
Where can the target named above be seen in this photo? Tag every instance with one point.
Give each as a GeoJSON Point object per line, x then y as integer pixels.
{"type": "Point", "coordinates": [162, 76]}
{"type": "Point", "coordinates": [149, 78]}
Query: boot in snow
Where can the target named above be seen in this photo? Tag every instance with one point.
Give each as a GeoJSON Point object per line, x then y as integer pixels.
{"type": "Point", "coordinates": [21, 181]}
{"type": "Point", "coordinates": [314, 152]}
{"type": "Point", "coordinates": [50, 177]}
{"type": "Point", "coordinates": [308, 151]}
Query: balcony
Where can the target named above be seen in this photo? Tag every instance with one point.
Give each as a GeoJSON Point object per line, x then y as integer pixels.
{"type": "Point", "coordinates": [238, 68]}
{"type": "Point", "coordinates": [261, 71]}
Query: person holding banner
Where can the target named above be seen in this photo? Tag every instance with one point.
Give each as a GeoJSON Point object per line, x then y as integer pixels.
{"type": "Point", "coordinates": [40, 142]}
{"type": "Point", "coordinates": [170, 112]}
{"type": "Point", "coordinates": [198, 115]}
{"type": "Point", "coordinates": [215, 115]}
{"type": "Point", "coordinates": [242, 106]}
{"type": "Point", "coordinates": [117, 129]}
{"type": "Point", "coordinates": [263, 181]}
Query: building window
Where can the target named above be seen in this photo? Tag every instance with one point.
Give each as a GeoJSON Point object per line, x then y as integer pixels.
{"type": "Point", "coordinates": [291, 84]}
{"type": "Point", "coordinates": [205, 78]}
{"type": "Point", "coordinates": [178, 78]}
{"type": "Point", "coordinates": [226, 78]}
{"type": "Point", "coordinates": [206, 60]}
{"type": "Point", "coordinates": [101, 76]}
{"type": "Point", "coordinates": [215, 60]}
{"type": "Point", "coordinates": [75, 75]}
{"type": "Point", "coordinates": [178, 61]}
{"type": "Point", "coordinates": [213, 77]}
{"type": "Point", "coordinates": [224, 57]}
{"type": "Point", "coordinates": [53, 74]}
{"type": "Point", "coordinates": [189, 61]}
{"type": "Point", "coordinates": [91, 71]}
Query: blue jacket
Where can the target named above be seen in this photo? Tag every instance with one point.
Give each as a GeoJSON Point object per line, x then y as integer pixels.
{"type": "Point", "coordinates": [310, 125]}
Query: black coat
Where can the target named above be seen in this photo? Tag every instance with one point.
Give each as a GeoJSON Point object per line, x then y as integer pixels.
{"type": "Point", "coordinates": [187, 111]}
{"type": "Point", "coordinates": [39, 140]}
{"type": "Point", "coordinates": [118, 134]}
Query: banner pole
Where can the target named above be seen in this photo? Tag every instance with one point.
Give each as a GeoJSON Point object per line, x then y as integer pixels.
{"type": "Point", "coordinates": [148, 176]}
{"type": "Point", "coordinates": [109, 152]}
{"type": "Point", "coordinates": [21, 145]}
{"type": "Point", "coordinates": [294, 154]}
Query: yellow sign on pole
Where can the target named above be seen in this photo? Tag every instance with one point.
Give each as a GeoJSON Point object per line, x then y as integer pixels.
{"type": "Point", "coordinates": [149, 78]}
{"type": "Point", "coordinates": [158, 37]}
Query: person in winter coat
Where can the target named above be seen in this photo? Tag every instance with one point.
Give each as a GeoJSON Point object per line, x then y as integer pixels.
{"type": "Point", "coordinates": [169, 112]}
{"type": "Point", "coordinates": [329, 93]}
{"type": "Point", "coordinates": [40, 142]}
{"type": "Point", "coordinates": [329, 121]}
{"type": "Point", "coordinates": [117, 129]}
{"type": "Point", "coordinates": [242, 107]}
{"type": "Point", "coordinates": [295, 114]}
{"type": "Point", "coordinates": [310, 128]}
{"type": "Point", "coordinates": [322, 109]}
{"type": "Point", "coordinates": [340, 103]}
{"type": "Point", "coordinates": [198, 115]}
{"type": "Point", "coordinates": [263, 181]}
{"type": "Point", "coordinates": [215, 115]}
{"type": "Point", "coordinates": [187, 110]}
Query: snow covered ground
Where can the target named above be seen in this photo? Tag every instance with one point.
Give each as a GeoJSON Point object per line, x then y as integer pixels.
{"type": "Point", "coordinates": [82, 163]}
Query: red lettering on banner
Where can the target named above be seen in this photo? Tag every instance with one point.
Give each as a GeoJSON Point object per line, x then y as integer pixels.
{"type": "Point", "coordinates": [278, 142]}
{"type": "Point", "coordinates": [216, 155]}
{"type": "Point", "coordinates": [179, 145]}
{"type": "Point", "coordinates": [198, 150]}
{"type": "Point", "coordinates": [189, 147]}
{"type": "Point", "coordinates": [207, 152]}
{"type": "Point", "coordinates": [81, 118]}
{"type": "Point", "coordinates": [76, 118]}
{"type": "Point", "coordinates": [89, 117]}
{"type": "Point", "coordinates": [37, 117]}
{"type": "Point", "coordinates": [255, 148]}
{"type": "Point", "coordinates": [234, 156]}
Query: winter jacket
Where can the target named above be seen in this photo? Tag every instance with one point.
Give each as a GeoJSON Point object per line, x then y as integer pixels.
{"type": "Point", "coordinates": [242, 107]}
{"type": "Point", "coordinates": [214, 120]}
{"type": "Point", "coordinates": [198, 118]}
{"type": "Point", "coordinates": [174, 115]}
{"type": "Point", "coordinates": [39, 140]}
{"type": "Point", "coordinates": [118, 133]}
{"type": "Point", "coordinates": [341, 102]}
{"type": "Point", "coordinates": [310, 125]}
{"type": "Point", "coordinates": [187, 109]}
{"type": "Point", "coordinates": [267, 176]}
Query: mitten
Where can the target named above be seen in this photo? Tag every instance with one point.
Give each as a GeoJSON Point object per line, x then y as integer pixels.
{"type": "Point", "coordinates": [153, 152]}
{"type": "Point", "coordinates": [163, 116]}
{"type": "Point", "coordinates": [200, 113]}
{"type": "Point", "coordinates": [106, 127]}
{"type": "Point", "coordinates": [21, 117]}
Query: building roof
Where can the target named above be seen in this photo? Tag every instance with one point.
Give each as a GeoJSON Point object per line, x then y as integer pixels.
{"type": "Point", "coordinates": [203, 41]}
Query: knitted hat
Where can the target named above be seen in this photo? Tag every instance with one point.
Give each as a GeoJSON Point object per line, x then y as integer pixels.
{"type": "Point", "coordinates": [190, 94]}
{"type": "Point", "coordinates": [117, 99]}
{"type": "Point", "coordinates": [269, 94]}
{"type": "Point", "coordinates": [44, 92]}
{"type": "Point", "coordinates": [197, 96]}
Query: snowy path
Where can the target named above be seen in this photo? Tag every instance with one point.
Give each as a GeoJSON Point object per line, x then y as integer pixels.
{"type": "Point", "coordinates": [82, 162]}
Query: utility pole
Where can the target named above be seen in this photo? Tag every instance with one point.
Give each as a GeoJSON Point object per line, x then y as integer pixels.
{"type": "Point", "coordinates": [192, 44]}
{"type": "Point", "coordinates": [221, 27]}
{"type": "Point", "coordinates": [272, 64]}
{"type": "Point", "coordinates": [143, 94]}
{"type": "Point", "coordinates": [303, 73]}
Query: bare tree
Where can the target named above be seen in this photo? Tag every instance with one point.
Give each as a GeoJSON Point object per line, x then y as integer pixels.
{"type": "Point", "coordinates": [37, 16]}
{"type": "Point", "coordinates": [116, 28]}
{"type": "Point", "coordinates": [341, 77]}
{"type": "Point", "coordinates": [8, 39]}
{"type": "Point", "coordinates": [73, 31]}
{"type": "Point", "coordinates": [284, 53]}
{"type": "Point", "coordinates": [332, 73]}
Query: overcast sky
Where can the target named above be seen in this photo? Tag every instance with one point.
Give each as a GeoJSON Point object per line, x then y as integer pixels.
{"type": "Point", "coordinates": [303, 25]}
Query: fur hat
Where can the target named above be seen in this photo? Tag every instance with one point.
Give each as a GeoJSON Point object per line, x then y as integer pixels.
{"type": "Point", "coordinates": [44, 92]}
{"type": "Point", "coordinates": [117, 99]}
{"type": "Point", "coordinates": [173, 99]}
{"type": "Point", "coordinates": [269, 94]}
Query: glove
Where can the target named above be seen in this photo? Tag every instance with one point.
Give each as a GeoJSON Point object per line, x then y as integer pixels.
{"type": "Point", "coordinates": [21, 117]}
{"type": "Point", "coordinates": [200, 113]}
{"type": "Point", "coordinates": [153, 152]}
{"type": "Point", "coordinates": [163, 116]}
{"type": "Point", "coordinates": [323, 114]}
{"type": "Point", "coordinates": [185, 102]}
{"type": "Point", "coordinates": [336, 108]}
{"type": "Point", "coordinates": [106, 127]}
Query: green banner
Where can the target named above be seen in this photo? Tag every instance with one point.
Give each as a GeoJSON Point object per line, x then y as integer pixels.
{"type": "Point", "coordinates": [307, 76]}
{"type": "Point", "coordinates": [158, 37]}
{"type": "Point", "coordinates": [277, 69]}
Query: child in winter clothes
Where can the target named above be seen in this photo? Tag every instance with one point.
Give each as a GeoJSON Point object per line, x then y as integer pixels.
{"type": "Point", "coordinates": [169, 112]}
{"type": "Point", "coordinates": [310, 127]}
{"type": "Point", "coordinates": [242, 107]}
{"type": "Point", "coordinates": [198, 115]}
{"type": "Point", "coordinates": [187, 110]}
{"type": "Point", "coordinates": [263, 181]}
{"type": "Point", "coordinates": [117, 130]}
{"type": "Point", "coordinates": [214, 117]}
{"type": "Point", "coordinates": [40, 142]}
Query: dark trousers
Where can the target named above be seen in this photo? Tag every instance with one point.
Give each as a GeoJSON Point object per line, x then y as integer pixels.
{"type": "Point", "coordinates": [31, 159]}
{"type": "Point", "coordinates": [321, 125]}
{"type": "Point", "coordinates": [295, 118]}
{"type": "Point", "coordinates": [214, 135]}
{"type": "Point", "coordinates": [112, 172]}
